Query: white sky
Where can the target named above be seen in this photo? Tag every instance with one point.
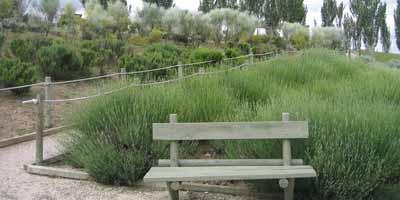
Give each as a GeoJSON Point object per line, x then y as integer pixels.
{"type": "Point", "coordinates": [314, 12]}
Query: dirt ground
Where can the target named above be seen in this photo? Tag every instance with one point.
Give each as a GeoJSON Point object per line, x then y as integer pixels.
{"type": "Point", "coordinates": [18, 119]}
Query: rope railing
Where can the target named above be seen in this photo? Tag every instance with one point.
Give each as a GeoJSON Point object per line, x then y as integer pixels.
{"type": "Point", "coordinates": [145, 84]}
{"type": "Point", "coordinates": [22, 86]}
{"type": "Point", "coordinates": [126, 73]}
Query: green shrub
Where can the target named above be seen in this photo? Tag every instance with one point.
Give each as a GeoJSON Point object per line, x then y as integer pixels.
{"type": "Point", "coordinates": [153, 57]}
{"type": "Point", "coordinates": [300, 40]}
{"type": "Point", "coordinates": [155, 36]}
{"type": "Point", "coordinates": [61, 63]}
{"type": "Point", "coordinates": [244, 48]}
{"type": "Point", "coordinates": [205, 54]}
{"type": "Point", "coordinates": [258, 39]}
{"type": "Point", "coordinates": [138, 40]}
{"type": "Point", "coordinates": [263, 48]}
{"type": "Point", "coordinates": [232, 52]}
{"type": "Point", "coordinates": [13, 73]}
{"type": "Point", "coordinates": [25, 49]}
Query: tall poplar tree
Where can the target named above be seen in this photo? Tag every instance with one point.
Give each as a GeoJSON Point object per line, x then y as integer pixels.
{"type": "Point", "coordinates": [328, 12]}
{"type": "Point", "coordinates": [397, 23]}
{"type": "Point", "coordinates": [368, 15]}
{"type": "Point", "coordinates": [161, 3]}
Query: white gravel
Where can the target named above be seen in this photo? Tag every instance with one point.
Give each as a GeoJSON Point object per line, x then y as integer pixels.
{"type": "Point", "coordinates": [16, 184]}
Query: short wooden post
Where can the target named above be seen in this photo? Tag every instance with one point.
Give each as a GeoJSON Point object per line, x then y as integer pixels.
{"type": "Point", "coordinates": [174, 156]}
{"type": "Point", "coordinates": [47, 105]}
{"type": "Point", "coordinates": [201, 70]}
{"type": "Point", "coordinates": [287, 158]}
{"type": "Point", "coordinates": [180, 70]}
{"type": "Point", "coordinates": [123, 74]}
{"type": "Point", "coordinates": [39, 128]}
{"type": "Point", "coordinates": [251, 58]}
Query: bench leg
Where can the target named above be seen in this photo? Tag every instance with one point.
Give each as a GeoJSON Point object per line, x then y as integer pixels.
{"type": "Point", "coordinates": [289, 190]}
{"type": "Point", "coordinates": [173, 194]}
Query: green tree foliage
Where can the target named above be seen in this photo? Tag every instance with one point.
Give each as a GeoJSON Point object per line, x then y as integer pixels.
{"type": "Point", "coordinates": [229, 25]}
{"type": "Point", "coordinates": [14, 72]}
{"type": "Point", "coordinates": [273, 12]}
{"type": "Point", "coordinates": [384, 30]}
{"type": "Point", "coordinates": [339, 14]}
{"type": "Point", "coordinates": [149, 17]}
{"type": "Point", "coordinates": [207, 5]}
{"type": "Point", "coordinates": [368, 14]}
{"type": "Point", "coordinates": [348, 28]}
{"type": "Point", "coordinates": [50, 8]}
{"type": "Point", "coordinates": [119, 12]}
{"type": "Point", "coordinates": [61, 62]}
{"type": "Point", "coordinates": [186, 26]}
{"type": "Point", "coordinates": [161, 3]}
{"type": "Point", "coordinates": [6, 9]}
{"type": "Point", "coordinates": [328, 12]}
{"type": "Point", "coordinates": [397, 23]}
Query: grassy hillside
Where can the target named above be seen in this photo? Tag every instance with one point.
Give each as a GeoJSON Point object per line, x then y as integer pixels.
{"type": "Point", "coordinates": [352, 109]}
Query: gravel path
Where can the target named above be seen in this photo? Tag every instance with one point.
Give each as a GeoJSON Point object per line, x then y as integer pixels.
{"type": "Point", "coordinates": [16, 184]}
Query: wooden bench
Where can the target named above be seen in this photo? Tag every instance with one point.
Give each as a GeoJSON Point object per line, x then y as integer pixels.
{"type": "Point", "coordinates": [285, 169]}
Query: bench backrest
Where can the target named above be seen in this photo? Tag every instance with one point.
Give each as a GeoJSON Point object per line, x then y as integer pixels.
{"type": "Point", "coordinates": [230, 130]}
{"type": "Point", "coordinates": [284, 130]}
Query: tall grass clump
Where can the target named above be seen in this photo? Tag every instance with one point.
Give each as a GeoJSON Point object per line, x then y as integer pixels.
{"type": "Point", "coordinates": [352, 109]}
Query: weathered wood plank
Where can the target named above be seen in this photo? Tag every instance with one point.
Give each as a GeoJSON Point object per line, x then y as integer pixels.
{"type": "Point", "coordinates": [160, 174]}
{"type": "Point", "coordinates": [230, 130]}
{"type": "Point", "coordinates": [228, 162]}
{"type": "Point", "coordinates": [30, 136]}
{"type": "Point", "coordinates": [56, 172]}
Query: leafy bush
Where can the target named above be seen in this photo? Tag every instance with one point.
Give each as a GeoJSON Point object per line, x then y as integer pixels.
{"type": "Point", "coordinates": [25, 49]}
{"type": "Point", "coordinates": [327, 37]}
{"type": "Point", "coordinates": [232, 52]}
{"type": "Point", "coordinates": [244, 48]}
{"type": "Point", "coordinates": [263, 48]}
{"type": "Point", "coordinates": [296, 33]}
{"type": "Point", "coordinates": [354, 143]}
{"type": "Point", "coordinates": [258, 39]}
{"type": "Point", "coordinates": [229, 24]}
{"type": "Point", "coordinates": [61, 63]}
{"type": "Point", "coordinates": [154, 56]}
{"type": "Point", "coordinates": [299, 40]}
{"type": "Point", "coordinates": [13, 73]}
{"type": "Point", "coordinates": [155, 36]}
{"type": "Point", "coordinates": [138, 40]}
{"type": "Point", "coordinates": [204, 54]}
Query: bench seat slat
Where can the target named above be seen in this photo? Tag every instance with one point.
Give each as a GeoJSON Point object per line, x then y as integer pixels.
{"type": "Point", "coordinates": [172, 174]}
{"type": "Point", "coordinates": [230, 130]}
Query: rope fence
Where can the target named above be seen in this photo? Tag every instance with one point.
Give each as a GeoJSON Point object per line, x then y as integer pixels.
{"type": "Point", "coordinates": [123, 72]}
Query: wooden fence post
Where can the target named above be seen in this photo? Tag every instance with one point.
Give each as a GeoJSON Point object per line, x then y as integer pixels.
{"type": "Point", "coordinates": [48, 121]}
{"type": "Point", "coordinates": [174, 157]}
{"type": "Point", "coordinates": [287, 159]}
{"type": "Point", "coordinates": [180, 70]}
{"type": "Point", "coordinates": [251, 58]}
{"type": "Point", "coordinates": [123, 75]}
{"type": "Point", "coordinates": [39, 128]}
{"type": "Point", "coordinates": [201, 70]}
